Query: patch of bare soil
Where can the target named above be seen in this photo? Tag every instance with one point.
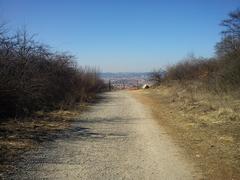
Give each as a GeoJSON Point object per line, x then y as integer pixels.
{"type": "Point", "coordinates": [205, 125]}
{"type": "Point", "coordinates": [20, 135]}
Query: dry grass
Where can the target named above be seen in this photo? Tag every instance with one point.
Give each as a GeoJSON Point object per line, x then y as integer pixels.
{"type": "Point", "coordinates": [18, 136]}
{"type": "Point", "coordinates": [205, 125]}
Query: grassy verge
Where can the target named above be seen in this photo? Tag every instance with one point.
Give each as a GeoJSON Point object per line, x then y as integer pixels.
{"type": "Point", "coordinates": [205, 125]}
{"type": "Point", "coordinates": [18, 136]}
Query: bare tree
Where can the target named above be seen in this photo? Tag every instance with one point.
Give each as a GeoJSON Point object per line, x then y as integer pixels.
{"type": "Point", "coordinates": [230, 43]}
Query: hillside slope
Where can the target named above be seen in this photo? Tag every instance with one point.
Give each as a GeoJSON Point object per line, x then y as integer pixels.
{"type": "Point", "coordinates": [205, 125]}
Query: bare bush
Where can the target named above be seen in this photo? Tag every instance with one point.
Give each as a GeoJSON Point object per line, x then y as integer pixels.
{"type": "Point", "coordinates": [156, 76]}
{"type": "Point", "coordinates": [220, 74]}
{"type": "Point", "coordinates": [34, 78]}
{"type": "Point", "coordinates": [191, 68]}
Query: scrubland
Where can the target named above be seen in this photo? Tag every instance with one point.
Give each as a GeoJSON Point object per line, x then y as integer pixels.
{"type": "Point", "coordinates": [198, 101]}
{"type": "Point", "coordinates": [205, 125]}
{"type": "Point", "coordinates": [40, 92]}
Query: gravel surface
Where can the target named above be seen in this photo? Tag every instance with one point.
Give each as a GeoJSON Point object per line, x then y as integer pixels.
{"type": "Point", "coordinates": [116, 139]}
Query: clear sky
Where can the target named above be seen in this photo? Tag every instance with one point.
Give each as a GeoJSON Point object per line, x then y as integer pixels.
{"type": "Point", "coordinates": [122, 35]}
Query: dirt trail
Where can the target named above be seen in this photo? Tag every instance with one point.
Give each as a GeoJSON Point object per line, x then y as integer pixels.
{"type": "Point", "coordinates": [116, 139]}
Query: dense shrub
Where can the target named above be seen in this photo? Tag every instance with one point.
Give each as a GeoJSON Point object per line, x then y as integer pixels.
{"type": "Point", "coordinates": [190, 69]}
{"type": "Point", "coordinates": [228, 75]}
{"type": "Point", "coordinates": [217, 74]}
{"type": "Point", "coordinates": [34, 78]}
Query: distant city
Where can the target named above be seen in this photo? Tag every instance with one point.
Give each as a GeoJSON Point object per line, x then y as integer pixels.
{"type": "Point", "coordinates": [126, 80]}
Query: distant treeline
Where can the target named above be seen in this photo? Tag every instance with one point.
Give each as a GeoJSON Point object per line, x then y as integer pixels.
{"type": "Point", "coordinates": [33, 78]}
{"type": "Point", "coordinates": [220, 73]}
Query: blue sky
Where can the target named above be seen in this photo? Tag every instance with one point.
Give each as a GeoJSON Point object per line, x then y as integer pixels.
{"type": "Point", "coordinates": [122, 35]}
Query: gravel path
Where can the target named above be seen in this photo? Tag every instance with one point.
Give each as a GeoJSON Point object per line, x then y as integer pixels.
{"type": "Point", "coordinates": [116, 139]}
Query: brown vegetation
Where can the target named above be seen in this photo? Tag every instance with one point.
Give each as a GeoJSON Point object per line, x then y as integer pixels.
{"type": "Point", "coordinates": [219, 74]}
{"type": "Point", "coordinates": [198, 103]}
{"type": "Point", "coordinates": [38, 89]}
{"type": "Point", "coordinates": [34, 78]}
{"type": "Point", "coordinates": [205, 125]}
